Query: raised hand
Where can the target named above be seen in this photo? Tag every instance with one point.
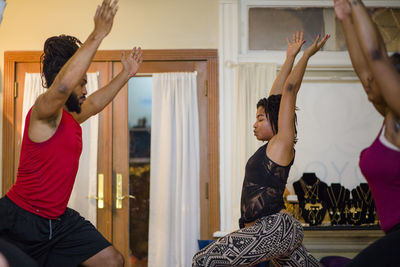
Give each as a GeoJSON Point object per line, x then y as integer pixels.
{"type": "Point", "coordinates": [316, 46]}
{"type": "Point", "coordinates": [342, 9]}
{"type": "Point", "coordinates": [295, 45]}
{"type": "Point", "coordinates": [132, 61]}
{"type": "Point", "coordinates": [104, 17]}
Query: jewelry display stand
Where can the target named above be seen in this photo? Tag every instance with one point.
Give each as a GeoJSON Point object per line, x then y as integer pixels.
{"type": "Point", "coordinates": [348, 232]}
{"type": "Point", "coordinates": [337, 197]}
{"type": "Point", "coordinates": [362, 194]}
{"type": "Point", "coordinates": [310, 192]}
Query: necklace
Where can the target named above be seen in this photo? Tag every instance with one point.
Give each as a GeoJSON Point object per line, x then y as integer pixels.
{"type": "Point", "coordinates": [314, 213]}
{"type": "Point", "coordinates": [335, 215]}
{"type": "Point", "coordinates": [365, 197]}
{"type": "Point", "coordinates": [334, 210]}
{"type": "Point", "coordinates": [355, 212]}
{"type": "Point", "coordinates": [310, 191]}
{"type": "Point", "coordinates": [313, 206]}
{"type": "Point", "coordinates": [335, 201]}
{"type": "Point", "coordinates": [312, 216]}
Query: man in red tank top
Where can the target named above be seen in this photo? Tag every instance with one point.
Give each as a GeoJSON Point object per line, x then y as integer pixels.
{"type": "Point", "coordinates": [34, 214]}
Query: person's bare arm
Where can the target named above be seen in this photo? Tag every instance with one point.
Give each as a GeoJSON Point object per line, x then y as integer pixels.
{"type": "Point", "coordinates": [281, 148]}
{"type": "Point", "coordinates": [293, 49]}
{"type": "Point", "coordinates": [343, 13]}
{"type": "Point", "coordinates": [102, 97]}
{"type": "Point", "coordinates": [360, 65]}
{"type": "Point", "coordinates": [371, 42]}
{"type": "Point", "coordinates": [50, 104]}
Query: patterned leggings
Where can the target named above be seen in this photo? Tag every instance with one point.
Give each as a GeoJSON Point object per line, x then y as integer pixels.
{"type": "Point", "coordinates": [276, 237]}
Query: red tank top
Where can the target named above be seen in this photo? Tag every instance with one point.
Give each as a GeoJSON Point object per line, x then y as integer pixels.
{"type": "Point", "coordinates": [47, 170]}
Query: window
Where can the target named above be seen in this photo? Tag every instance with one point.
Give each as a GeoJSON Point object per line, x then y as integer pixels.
{"type": "Point", "coordinates": [268, 27]}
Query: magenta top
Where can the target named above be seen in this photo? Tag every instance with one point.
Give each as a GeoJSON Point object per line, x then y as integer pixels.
{"type": "Point", "coordinates": [380, 165]}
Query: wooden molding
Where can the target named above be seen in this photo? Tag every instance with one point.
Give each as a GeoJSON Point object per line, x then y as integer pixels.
{"type": "Point", "coordinates": [8, 124]}
{"type": "Point", "coordinates": [115, 55]}
{"type": "Point", "coordinates": [213, 144]}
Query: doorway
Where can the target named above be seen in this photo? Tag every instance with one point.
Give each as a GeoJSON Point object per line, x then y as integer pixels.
{"type": "Point", "coordinates": [115, 166]}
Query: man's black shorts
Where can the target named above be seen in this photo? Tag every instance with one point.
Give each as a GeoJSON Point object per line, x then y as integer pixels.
{"type": "Point", "coordinates": [66, 241]}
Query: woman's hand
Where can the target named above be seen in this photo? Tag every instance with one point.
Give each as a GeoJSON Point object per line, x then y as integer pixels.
{"type": "Point", "coordinates": [316, 46]}
{"type": "Point", "coordinates": [342, 9]}
{"type": "Point", "coordinates": [295, 45]}
{"type": "Point", "coordinates": [132, 61]}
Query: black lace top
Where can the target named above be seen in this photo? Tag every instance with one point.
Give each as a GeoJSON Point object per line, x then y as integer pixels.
{"type": "Point", "coordinates": [263, 187]}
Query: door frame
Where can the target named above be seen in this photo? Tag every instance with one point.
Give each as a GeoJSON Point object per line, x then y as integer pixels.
{"type": "Point", "coordinates": [11, 58]}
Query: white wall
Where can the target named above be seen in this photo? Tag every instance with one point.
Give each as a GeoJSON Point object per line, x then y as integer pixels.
{"type": "Point", "coordinates": [152, 24]}
{"type": "Point", "coordinates": [335, 123]}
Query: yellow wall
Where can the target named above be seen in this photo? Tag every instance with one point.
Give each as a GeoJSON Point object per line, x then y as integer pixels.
{"type": "Point", "coordinates": [152, 24]}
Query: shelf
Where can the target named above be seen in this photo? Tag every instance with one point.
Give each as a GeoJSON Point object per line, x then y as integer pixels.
{"type": "Point", "coordinates": [346, 241]}
{"type": "Point", "coordinates": [339, 241]}
{"type": "Point", "coordinates": [342, 227]}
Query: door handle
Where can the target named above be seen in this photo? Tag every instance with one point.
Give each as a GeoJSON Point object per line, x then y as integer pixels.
{"type": "Point", "coordinates": [100, 191]}
{"type": "Point", "coordinates": [119, 197]}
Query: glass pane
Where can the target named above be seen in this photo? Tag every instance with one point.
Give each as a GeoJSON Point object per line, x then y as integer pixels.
{"type": "Point", "coordinates": [139, 121]}
{"type": "Point", "coordinates": [269, 27]}
{"type": "Point", "coordinates": [139, 107]}
{"type": "Point", "coordinates": [388, 21]}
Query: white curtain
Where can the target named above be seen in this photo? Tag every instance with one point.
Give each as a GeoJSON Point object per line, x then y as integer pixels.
{"type": "Point", "coordinates": [174, 226]}
{"type": "Point", "coordinates": [86, 178]}
{"type": "Point", "coordinates": [86, 182]}
{"type": "Point", "coordinates": [32, 89]}
{"type": "Point", "coordinates": [254, 82]}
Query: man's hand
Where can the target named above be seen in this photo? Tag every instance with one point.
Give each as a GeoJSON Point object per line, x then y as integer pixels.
{"type": "Point", "coordinates": [295, 45]}
{"type": "Point", "coordinates": [132, 61]}
{"type": "Point", "coordinates": [3, 4]}
{"type": "Point", "coordinates": [316, 46]}
{"type": "Point", "coordinates": [104, 18]}
{"type": "Point", "coordinates": [342, 9]}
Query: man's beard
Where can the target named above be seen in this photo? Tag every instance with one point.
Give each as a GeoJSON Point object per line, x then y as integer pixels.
{"type": "Point", "coordinates": [73, 104]}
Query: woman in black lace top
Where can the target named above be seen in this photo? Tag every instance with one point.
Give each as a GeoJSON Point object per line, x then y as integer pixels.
{"type": "Point", "coordinates": [267, 231]}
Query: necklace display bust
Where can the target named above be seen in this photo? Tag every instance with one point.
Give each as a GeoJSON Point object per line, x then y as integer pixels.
{"type": "Point", "coordinates": [310, 193]}
{"type": "Point", "coordinates": [337, 197]}
{"type": "Point", "coordinates": [363, 195]}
